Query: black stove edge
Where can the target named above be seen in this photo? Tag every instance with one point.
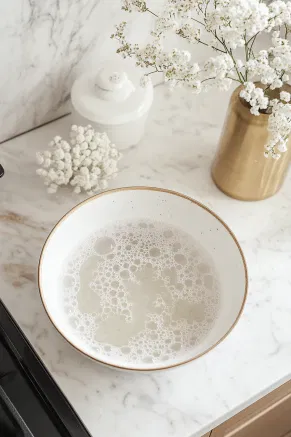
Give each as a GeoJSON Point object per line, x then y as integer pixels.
{"type": "Point", "coordinates": [10, 409]}
{"type": "Point", "coordinates": [51, 395]}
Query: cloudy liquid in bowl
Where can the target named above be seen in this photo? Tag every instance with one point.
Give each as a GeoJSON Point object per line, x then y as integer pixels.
{"type": "Point", "coordinates": [141, 290]}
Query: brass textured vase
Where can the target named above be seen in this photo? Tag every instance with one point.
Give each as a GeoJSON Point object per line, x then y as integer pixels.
{"type": "Point", "coordinates": [240, 169]}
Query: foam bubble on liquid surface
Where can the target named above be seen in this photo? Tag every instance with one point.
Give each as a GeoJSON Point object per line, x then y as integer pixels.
{"type": "Point", "coordinates": [141, 290]}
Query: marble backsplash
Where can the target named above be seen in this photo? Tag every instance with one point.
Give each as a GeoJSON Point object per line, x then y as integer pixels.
{"type": "Point", "coordinates": [45, 44]}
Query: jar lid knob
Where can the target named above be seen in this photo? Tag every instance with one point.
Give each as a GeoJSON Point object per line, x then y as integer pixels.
{"type": "Point", "coordinates": [113, 85]}
{"type": "Point", "coordinates": [109, 80]}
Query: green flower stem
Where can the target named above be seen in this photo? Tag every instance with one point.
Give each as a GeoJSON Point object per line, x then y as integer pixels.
{"type": "Point", "coordinates": [151, 12]}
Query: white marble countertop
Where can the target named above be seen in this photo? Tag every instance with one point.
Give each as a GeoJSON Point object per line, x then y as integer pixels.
{"type": "Point", "coordinates": [255, 358]}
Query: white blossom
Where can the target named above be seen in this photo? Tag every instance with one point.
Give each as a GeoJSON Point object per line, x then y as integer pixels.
{"type": "Point", "coordinates": [285, 96]}
{"type": "Point", "coordinates": [166, 22]}
{"type": "Point", "coordinates": [230, 28]}
{"type": "Point", "coordinates": [86, 163]}
{"type": "Point", "coordinates": [134, 5]}
{"type": "Point", "coordinates": [219, 66]}
{"type": "Point", "coordinates": [279, 127]}
{"type": "Point", "coordinates": [280, 13]}
{"type": "Point", "coordinates": [255, 97]}
{"type": "Point", "coordinates": [184, 6]}
{"type": "Point", "coordinates": [235, 20]}
{"type": "Point", "coordinates": [189, 32]}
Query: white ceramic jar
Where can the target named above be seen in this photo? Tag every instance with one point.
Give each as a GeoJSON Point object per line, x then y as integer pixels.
{"type": "Point", "coordinates": [112, 101]}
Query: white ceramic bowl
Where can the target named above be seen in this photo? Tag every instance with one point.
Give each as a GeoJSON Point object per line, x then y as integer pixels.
{"type": "Point", "coordinates": [156, 204]}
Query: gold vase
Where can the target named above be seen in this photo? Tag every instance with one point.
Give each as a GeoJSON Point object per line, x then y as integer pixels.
{"type": "Point", "coordinates": [240, 169]}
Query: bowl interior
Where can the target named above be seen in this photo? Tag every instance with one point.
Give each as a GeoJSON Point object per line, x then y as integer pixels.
{"type": "Point", "coordinates": [155, 204]}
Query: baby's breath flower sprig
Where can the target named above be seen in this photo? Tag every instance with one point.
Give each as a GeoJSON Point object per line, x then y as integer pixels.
{"type": "Point", "coordinates": [225, 27]}
{"type": "Point", "coordinates": [134, 5]}
{"type": "Point", "coordinates": [87, 162]}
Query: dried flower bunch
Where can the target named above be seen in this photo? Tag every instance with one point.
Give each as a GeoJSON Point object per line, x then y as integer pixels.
{"type": "Point", "coordinates": [230, 29]}
{"type": "Point", "coordinates": [86, 163]}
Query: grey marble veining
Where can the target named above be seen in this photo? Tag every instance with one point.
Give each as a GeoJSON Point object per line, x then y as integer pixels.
{"type": "Point", "coordinates": [44, 46]}
{"type": "Point", "coordinates": [182, 135]}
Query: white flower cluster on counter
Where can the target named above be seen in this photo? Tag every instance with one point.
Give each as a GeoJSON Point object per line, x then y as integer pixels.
{"type": "Point", "coordinates": [230, 29]}
{"type": "Point", "coordinates": [87, 162]}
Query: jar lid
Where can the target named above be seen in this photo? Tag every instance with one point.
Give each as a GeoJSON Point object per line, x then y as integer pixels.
{"type": "Point", "coordinates": [112, 96]}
